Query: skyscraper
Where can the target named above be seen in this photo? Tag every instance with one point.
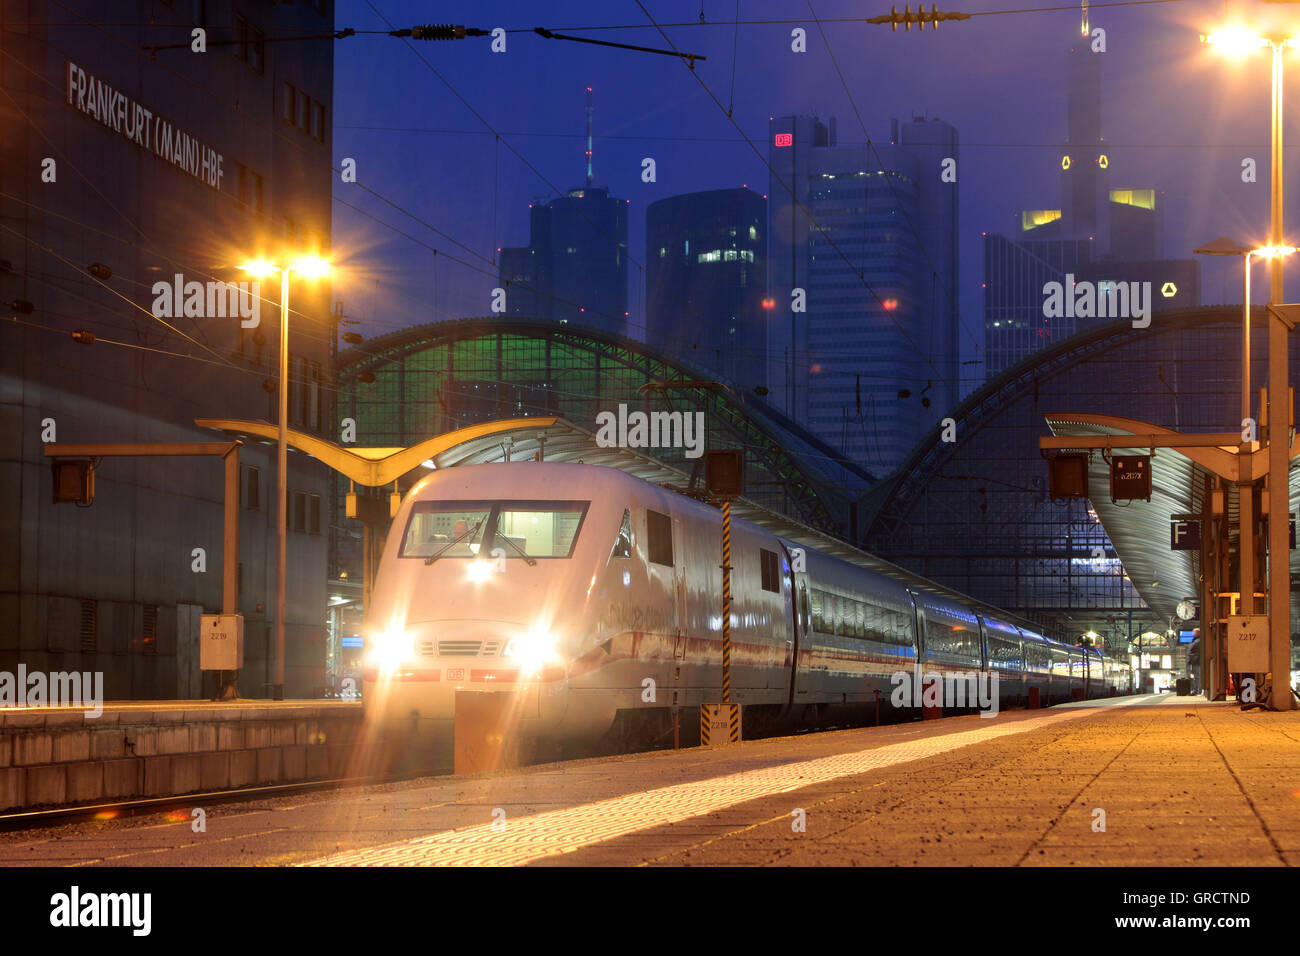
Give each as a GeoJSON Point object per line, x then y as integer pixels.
{"type": "Point", "coordinates": [574, 268]}
{"type": "Point", "coordinates": [1100, 234]}
{"type": "Point", "coordinates": [706, 278]}
{"type": "Point", "coordinates": [1085, 167]}
{"type": "Point", "coordinates": [863, 267]}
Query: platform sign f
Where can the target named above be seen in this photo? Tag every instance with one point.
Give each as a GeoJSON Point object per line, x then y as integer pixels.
{"type": "Point", "coordinates": [1184, 534]}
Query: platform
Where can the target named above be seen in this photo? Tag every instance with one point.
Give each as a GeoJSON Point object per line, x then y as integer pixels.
{"type": "Point", "coordinates": [59, 756]}
{"type": "Point", "coordinates": [1182, 782]}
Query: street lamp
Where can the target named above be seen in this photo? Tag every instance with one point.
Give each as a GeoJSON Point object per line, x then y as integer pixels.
{"type": "Point", "coordinates": [313, 268]}
{"type": "Point", "coordinates": [1239, 41]}
{"type": "Point", "coordinates": [1223, 246]}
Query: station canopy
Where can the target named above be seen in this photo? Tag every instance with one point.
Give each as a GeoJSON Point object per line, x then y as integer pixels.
{"type": "Point", "coordinates": [1181, 480]}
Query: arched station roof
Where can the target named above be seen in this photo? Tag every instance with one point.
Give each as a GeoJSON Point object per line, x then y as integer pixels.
{"type": "Point", "coordinates": [430, 379]}
{"type": "Point", "coordinates": [985, 495]}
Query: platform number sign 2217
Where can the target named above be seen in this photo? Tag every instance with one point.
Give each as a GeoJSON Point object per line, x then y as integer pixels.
{"type": "Point", "coordinates": [1130, 478]}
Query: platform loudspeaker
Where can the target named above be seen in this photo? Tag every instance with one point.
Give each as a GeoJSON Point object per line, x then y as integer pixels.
{"type": "Point", "coordinates": [74, 480]}
{"type": "Point", "coordinates": [1068, 476]}
{"type": "Point", "coordinates": [724, 472]}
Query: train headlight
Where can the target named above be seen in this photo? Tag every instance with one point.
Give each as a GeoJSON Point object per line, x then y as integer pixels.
{"type": "Point", "coordinates": [534, 648]}
{"type": "Point", "coordinates": [390, 649]}
{"type": "Point", "coordinates": [478, 570]}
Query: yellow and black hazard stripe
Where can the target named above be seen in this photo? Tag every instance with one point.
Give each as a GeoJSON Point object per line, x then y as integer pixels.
{"type": "Point", "coordinates": [709, 711]}
{"type": "Point", "coordinates": [726, 601]}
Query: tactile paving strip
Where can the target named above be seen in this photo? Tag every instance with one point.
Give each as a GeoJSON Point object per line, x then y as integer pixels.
{"type": "Point", "coordinates": [573, 828]}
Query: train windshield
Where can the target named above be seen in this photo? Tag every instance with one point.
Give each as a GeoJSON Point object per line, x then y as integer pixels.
{"type": "Point", "coordinates": [511, 529]}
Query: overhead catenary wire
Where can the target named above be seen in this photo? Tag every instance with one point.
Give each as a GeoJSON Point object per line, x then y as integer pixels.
{"type": "Point", "coordinates": [731, 140]}
{"type": "Point", "coordinates": [786, 21]}
{"type": "Point", "coordinates": [591, 28]}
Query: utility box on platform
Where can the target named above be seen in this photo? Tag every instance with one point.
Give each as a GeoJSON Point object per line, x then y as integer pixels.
{"type": "Point", "coordinates": [1248, 643]}
{"type": "Point", "coordinates": [221, 642]}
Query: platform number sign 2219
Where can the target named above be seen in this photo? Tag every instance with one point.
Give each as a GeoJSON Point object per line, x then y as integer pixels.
{"type": "Point", "coordinates": [1130, 478]}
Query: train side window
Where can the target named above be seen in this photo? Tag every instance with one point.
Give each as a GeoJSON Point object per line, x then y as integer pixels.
{"type": "Point", "coordinates": [770, 569]}
{"type": "Point", "coordinates": [623, 543]}
{"type": "Point", "coordinates": [659, 538]}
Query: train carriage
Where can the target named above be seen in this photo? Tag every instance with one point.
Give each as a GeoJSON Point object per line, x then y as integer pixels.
{"type": "Point", "coordinates": [596, 598]}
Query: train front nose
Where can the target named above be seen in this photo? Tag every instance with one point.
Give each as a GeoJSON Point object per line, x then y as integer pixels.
{"type": "Point", "coordinates": [416, 682]}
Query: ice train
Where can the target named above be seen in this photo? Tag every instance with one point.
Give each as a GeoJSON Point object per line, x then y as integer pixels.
{"type": "Point", "coordinates": [596, 598]}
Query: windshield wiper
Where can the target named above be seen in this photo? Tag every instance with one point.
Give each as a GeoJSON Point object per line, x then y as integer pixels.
{"type": "Point", "coordinates": [454, 541]}
{"type": "Point", "coordinates": [528, 559]}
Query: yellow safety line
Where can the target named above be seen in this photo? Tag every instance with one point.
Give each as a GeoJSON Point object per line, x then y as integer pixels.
{"type": "Point", "coordinates": [557, 832]}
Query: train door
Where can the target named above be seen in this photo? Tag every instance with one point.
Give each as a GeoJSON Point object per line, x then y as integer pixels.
{"type": "Point", "coordinates": [918, 623]}
{"type": "Point", "coordinates": [681, 611]}
{"type": "Point", "coordinates": [784, 637]}
{"type": "Point", "coordinates": [799, 619]}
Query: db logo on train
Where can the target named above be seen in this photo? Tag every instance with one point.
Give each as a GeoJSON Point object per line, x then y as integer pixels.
{"type": "Point", "coordinates": [455, 673]}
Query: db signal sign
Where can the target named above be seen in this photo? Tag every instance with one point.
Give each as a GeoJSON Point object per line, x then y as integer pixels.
{"type": "Point", "coordinates": [1130, 478]}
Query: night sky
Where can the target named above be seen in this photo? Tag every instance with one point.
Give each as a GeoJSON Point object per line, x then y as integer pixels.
{"type": "Point", "coordinates": [1179, 118]}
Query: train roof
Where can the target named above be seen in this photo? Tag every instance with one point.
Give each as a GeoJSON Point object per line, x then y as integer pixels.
{"type": "Point", "coordinates": [790, 531]}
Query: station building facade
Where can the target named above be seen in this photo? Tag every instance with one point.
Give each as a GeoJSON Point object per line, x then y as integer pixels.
{"type": "Point", "coordinates": [126, 179]}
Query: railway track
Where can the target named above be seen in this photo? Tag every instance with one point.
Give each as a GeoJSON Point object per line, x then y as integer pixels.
{"type": "Point", "coordinates": [59, 816]}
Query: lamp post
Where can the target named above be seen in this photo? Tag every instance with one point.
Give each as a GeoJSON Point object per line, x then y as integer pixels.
{"type": "Point", "coordinates": [1224, 246]}
{"type": "Point", "coordinates": [1239, 40]}
{"type": "Point", "coordinates": [259, 269]}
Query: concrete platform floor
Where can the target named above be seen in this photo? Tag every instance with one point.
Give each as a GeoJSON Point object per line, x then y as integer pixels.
{"type": "Point", "coordinates": [1181, 781]}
